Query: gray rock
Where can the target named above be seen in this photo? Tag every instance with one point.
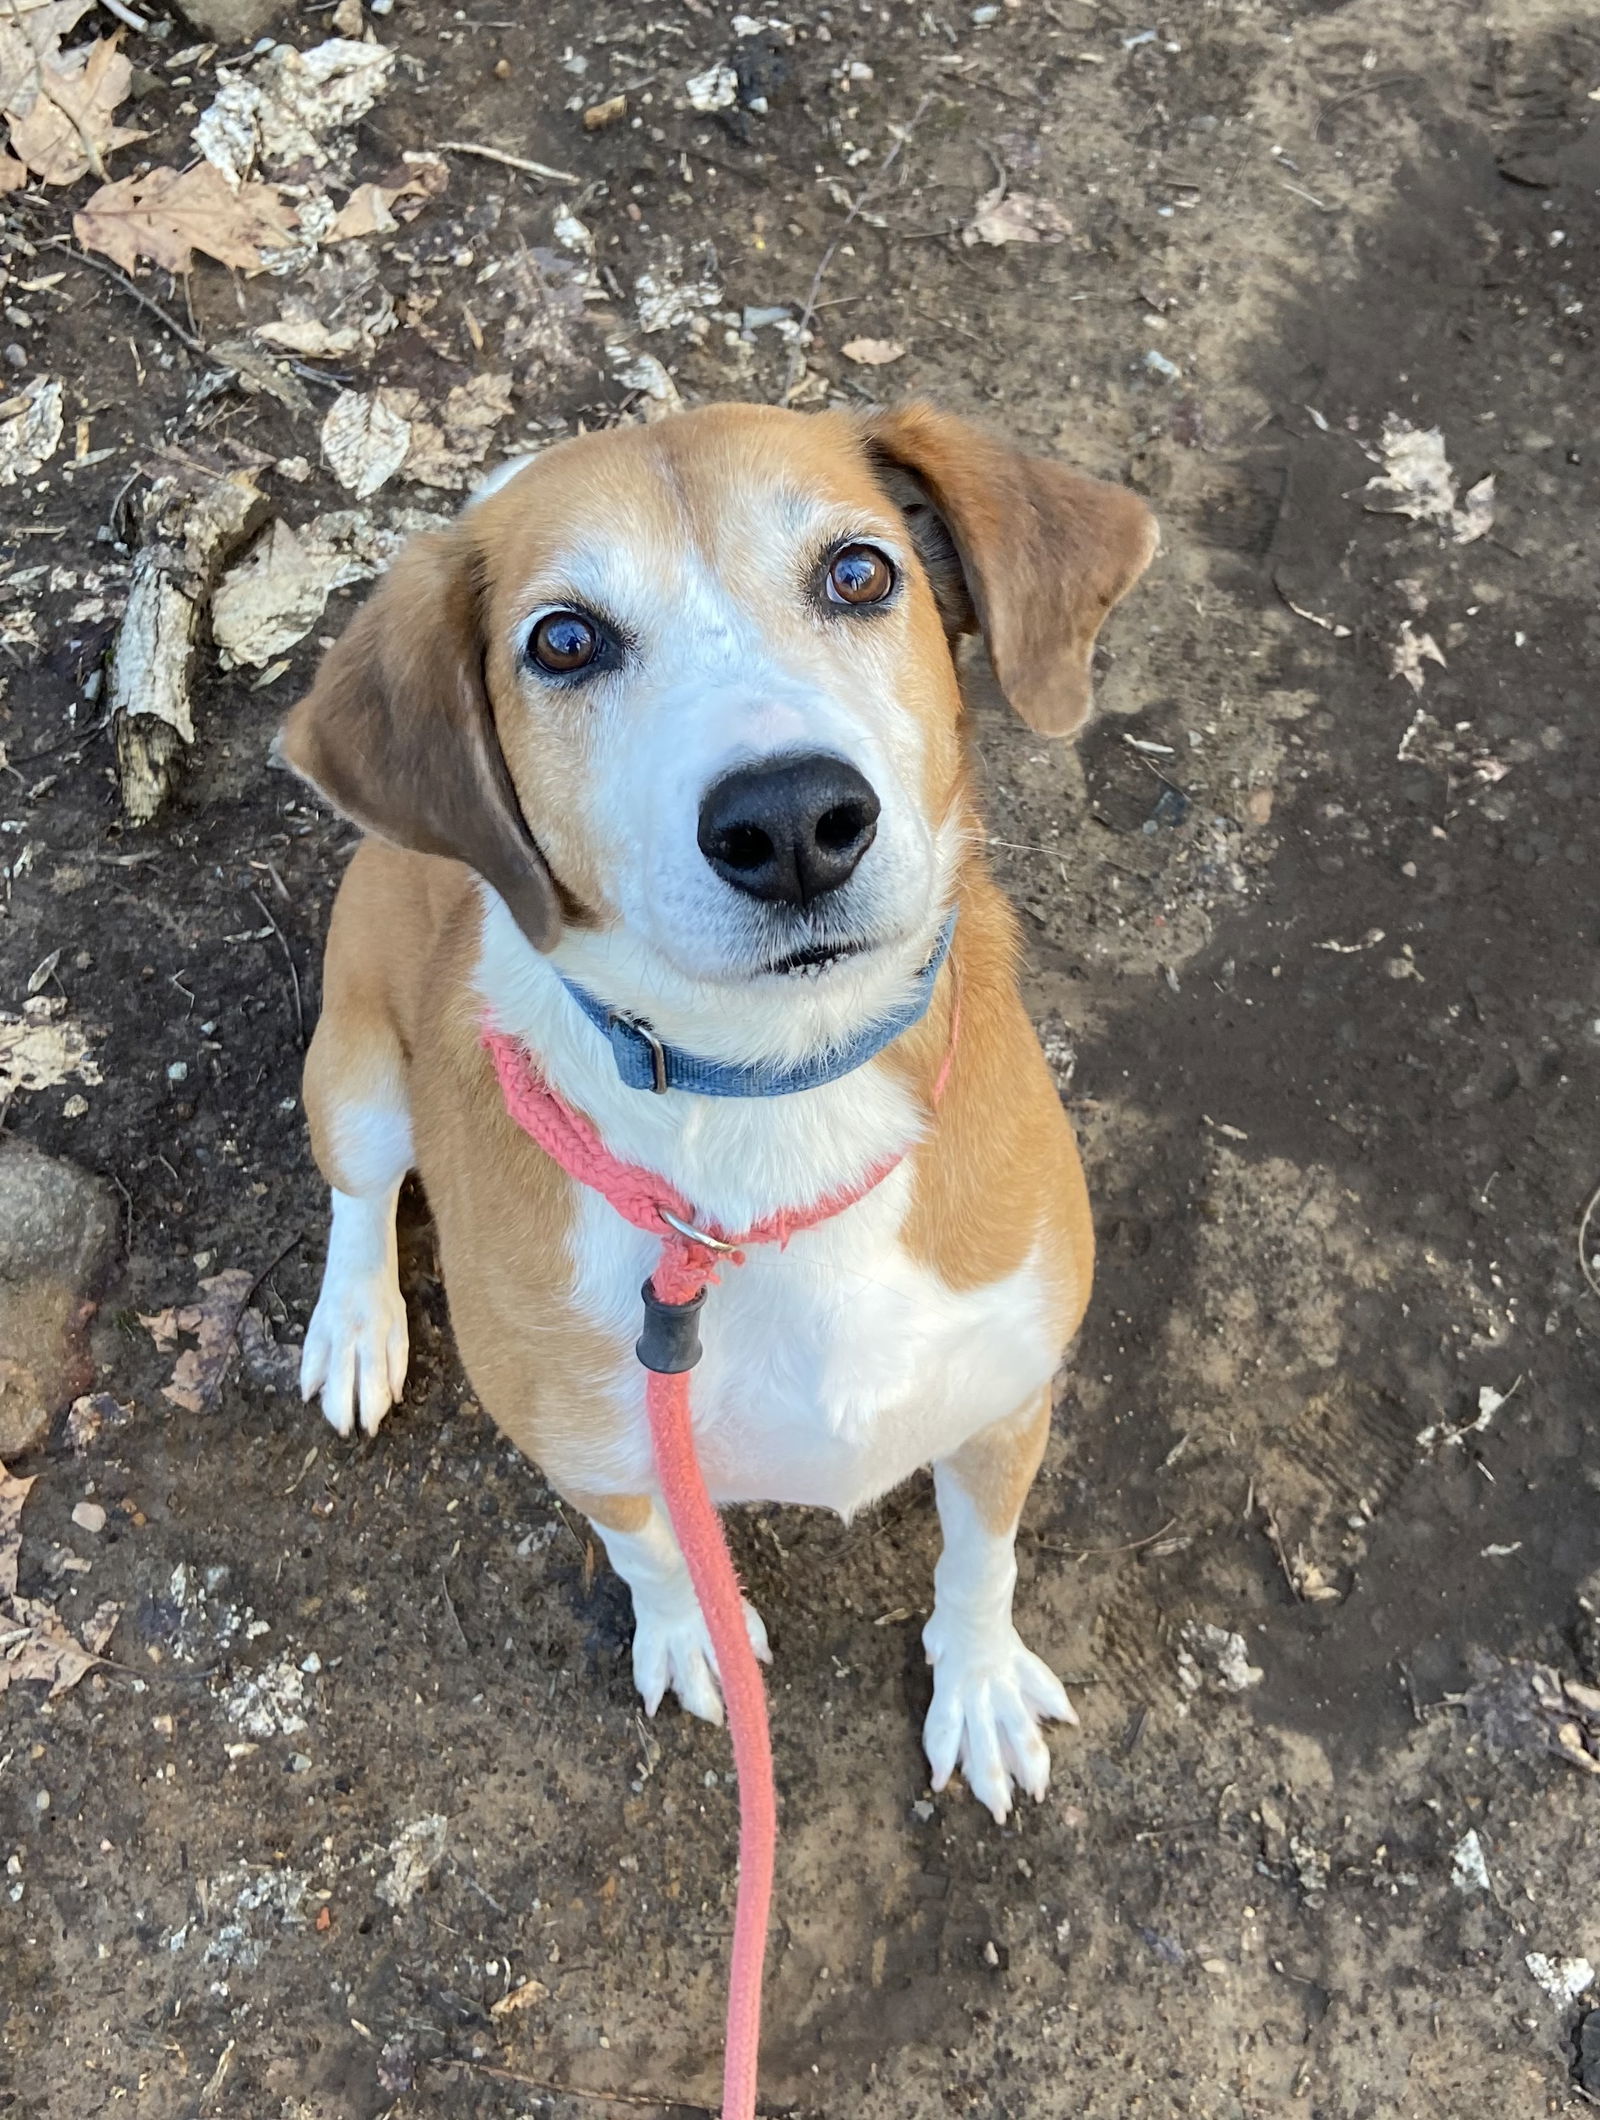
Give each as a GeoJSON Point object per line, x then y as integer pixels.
{"type": "Point", "coordinates": [232, 21]}
{"type": "Point", "coordinates": [58, 1236]}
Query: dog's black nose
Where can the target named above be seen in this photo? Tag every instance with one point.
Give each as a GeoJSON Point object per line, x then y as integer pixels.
{"type": "Point", "coordinates": [789, 830]}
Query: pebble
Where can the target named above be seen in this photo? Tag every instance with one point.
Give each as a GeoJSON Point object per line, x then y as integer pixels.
{"type": "Point", "coordinates": [89, 1516]}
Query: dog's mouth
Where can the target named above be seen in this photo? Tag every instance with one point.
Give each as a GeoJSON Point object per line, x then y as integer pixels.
{"type": "Point", "coordinates": [815, 959]}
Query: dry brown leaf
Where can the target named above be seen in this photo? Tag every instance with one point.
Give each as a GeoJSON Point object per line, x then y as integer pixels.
{"type": "Point", "coordinates": [166, 217]}
{"type": "Point", "coordinates": [276, 593]}
{"type": "Point", "coordinates": [13, 175]}
{"type": "Point", "coordinates": [30, 37]}
{"type": "Point", "coordinates": [370, 208]}
{"type": "Point", "coordinates": [213, 1322]}
{"type": "Point", "coordinates": [1015, 217]}
{"type": "Point", "coordinates": [521, 1997]}
{"type": "Point", "coordinates": [43, 1046]}
{"type": "Point", "coordinates": [34, 1644]}
{"type": "Point", "coordinates": [365, 437]}
{"type": "Point", "coordinates": [33, 1641]}
{"type": "Point", "coordinates": [13, 1493]}
{"type": "Point", "coordinates": [364, 213]}
{"type": "Point", "coordinates": [68, 127]}
{"type": "Point", "coordinates": [448, 454]}
{"type": "Point", "coordinates": [873, 353]}
{"type": "Point", "coordinates": [30, 429]}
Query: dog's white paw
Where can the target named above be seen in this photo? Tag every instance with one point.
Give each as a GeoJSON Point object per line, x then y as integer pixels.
{"type": "Point", "coordinates": [989, 1697]}
{"type": "Point", "coordinates": [357, 1349]}
{"type": "Point", "coordinates": [672, 1648]}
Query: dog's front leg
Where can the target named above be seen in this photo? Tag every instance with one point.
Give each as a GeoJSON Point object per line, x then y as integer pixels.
{"type": "Point", "coordinates": [671, 1646]}
{"type": "Point", "coordinates": [990, 1693]}
{"type": "Point", "coordinates": [357, 1345]}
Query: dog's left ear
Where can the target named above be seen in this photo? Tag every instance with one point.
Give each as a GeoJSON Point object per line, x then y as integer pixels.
{"type": "Point", "coordinates": [398, 731]}
{"type": "Point", "coordinates": [1021, 549]}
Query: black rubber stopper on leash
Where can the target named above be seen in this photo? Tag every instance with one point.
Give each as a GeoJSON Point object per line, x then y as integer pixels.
{"type": "Point", "coordinates": [670, 1342]}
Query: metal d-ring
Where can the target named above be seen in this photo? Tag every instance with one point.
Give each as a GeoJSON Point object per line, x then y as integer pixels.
{"type": "Point", "coordinates": [695, 1236]}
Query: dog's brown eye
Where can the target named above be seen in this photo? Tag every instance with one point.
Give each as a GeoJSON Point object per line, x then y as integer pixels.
{"type": "Point", "coordinates": [859, 575]}
{"type": "Point", "coordinates": [563, 641]}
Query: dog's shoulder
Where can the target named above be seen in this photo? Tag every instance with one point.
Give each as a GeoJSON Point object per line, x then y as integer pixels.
{"type": "Point", "coordinates": [999, 1178]}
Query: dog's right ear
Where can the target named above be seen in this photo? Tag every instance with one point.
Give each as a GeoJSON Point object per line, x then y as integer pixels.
{"type": "Point", "coordinates": [398, 733]}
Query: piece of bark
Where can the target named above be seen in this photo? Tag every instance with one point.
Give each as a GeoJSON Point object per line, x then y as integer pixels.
{"type": "Point", "coordinates": [194, 521]}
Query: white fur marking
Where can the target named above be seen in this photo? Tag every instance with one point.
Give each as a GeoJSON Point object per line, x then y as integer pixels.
{"type": "Point", "coordinates": [671, 1643]}
{"type": "Point", "coordinates": [372, 1142]}
{"type": "Point", "coordinates": [357, 1344]}
{"type": "Point", "coordinates": [990, 1693]}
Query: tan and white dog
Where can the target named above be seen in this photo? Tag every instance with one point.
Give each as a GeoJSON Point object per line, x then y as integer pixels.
{"type": "Point", "coordinates": [671, 720]}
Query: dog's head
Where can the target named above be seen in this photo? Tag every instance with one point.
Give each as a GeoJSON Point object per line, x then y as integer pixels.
{"type": "Point", "coordinates": [691, 685]}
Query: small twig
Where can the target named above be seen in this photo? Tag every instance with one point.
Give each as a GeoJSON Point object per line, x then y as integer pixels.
{"type": "Point", "coordinates": [67, 743]}
{"type": "Point", "coordinates": [1086, 1553]}
{"type": "Point", "coordinates": [1583, 1249]}
{"type": "Point", "coordinates": [127, 1204]}
{"type": "Point", "coordinates": [495, 154]}
{"type": "Point", "coordinates": [450, 1607]}
{"type": "Point", "coordinates": [1269, 1523]}
{"type": "Point", "coordinates": [288, 958]}
{"type": "Point", "coordinates": [101, 265]}
{"type": "Point", "coordinates": [577, 2090]}
{"type": "Point", "coordinates": [270, 1268]}
{"type": "Point", "coordinates": [124, 13]}
{"type": "Point", "coordinates": [1367, 88]}
{"type": "Point", "coordinates": [1411, 1692]}
{"type": "Point", "coordinates": [1300, 192]}
{"type": "Point", "coordinates": [472, 1884]}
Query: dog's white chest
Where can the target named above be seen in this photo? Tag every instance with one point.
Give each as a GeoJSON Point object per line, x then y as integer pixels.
{"type": "Point", "coordinates": [831, 1370]}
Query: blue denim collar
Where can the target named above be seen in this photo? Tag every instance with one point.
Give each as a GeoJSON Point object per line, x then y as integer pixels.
{"type": "Point", "coordinates": [644, 1062]}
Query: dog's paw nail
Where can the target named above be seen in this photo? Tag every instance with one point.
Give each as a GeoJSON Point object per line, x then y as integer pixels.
{"type": "Point", "coordinates": [672, 1649]}
{"type": "Point", "coordinates": [988, 1700]}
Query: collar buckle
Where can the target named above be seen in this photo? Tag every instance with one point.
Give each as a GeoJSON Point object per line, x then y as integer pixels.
{"type": "Point", "coordinates": [647, 1037]}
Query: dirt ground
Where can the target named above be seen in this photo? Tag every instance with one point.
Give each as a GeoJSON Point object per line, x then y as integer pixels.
{"type": "Point", "coordinates": [1319, 980]}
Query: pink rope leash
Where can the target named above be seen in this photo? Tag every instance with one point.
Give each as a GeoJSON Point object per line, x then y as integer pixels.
{"type": "Point", "coordinates": [688, 1264]}
{"type": "Point", "coordinates": [705, 1548]}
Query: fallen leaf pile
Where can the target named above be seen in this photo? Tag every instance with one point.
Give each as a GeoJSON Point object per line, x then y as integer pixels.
{"type": "Point", "coordinates": [279, 113]}
{"type": "Point", "coordinates": [449, 453]}
{"type": "Point", "coordinates": [369, 436]}
{"type": "Point", "coordinates": [370, 208]}
{"type": "Point", "coordinates": [276, 593]}
{"type": "Point", "coordinates": [33, 1642]}
{"type": "Point", "coordinates": [338, 309]}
